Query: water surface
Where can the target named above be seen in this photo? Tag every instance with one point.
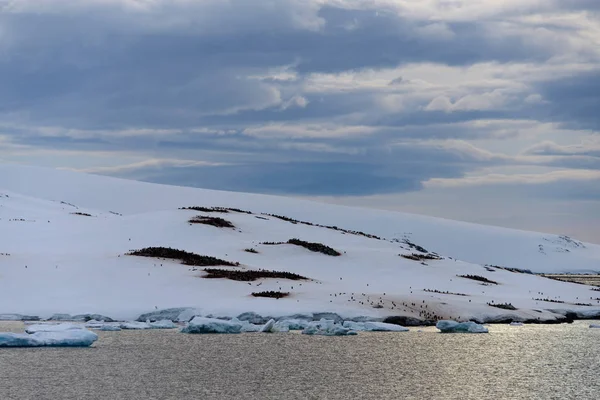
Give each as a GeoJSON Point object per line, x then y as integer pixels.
{"type": "Point", "coordinates": [530, 362]}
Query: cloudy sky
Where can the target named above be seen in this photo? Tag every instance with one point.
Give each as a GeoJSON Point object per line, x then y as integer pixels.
{"type": "Point", "coordinates": [480, 110]}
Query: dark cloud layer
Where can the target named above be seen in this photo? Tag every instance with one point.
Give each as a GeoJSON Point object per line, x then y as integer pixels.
{"type": "Point", "coordinates": [220, 75]}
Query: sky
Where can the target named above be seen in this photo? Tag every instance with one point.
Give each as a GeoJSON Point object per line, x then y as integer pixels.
{"type": "Point", "coordinates": [485, 111]}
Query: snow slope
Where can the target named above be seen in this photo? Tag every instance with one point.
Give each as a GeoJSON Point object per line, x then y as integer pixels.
{"type": "Point", "coordinates": [55, 261]}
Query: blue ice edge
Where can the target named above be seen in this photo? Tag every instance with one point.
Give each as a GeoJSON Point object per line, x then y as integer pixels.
{"type": "Point", "coordinates": [70, 338]}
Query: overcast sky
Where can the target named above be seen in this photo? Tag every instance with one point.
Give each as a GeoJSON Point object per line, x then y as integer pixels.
{"type": "Point", "coordinates": [480, 110]}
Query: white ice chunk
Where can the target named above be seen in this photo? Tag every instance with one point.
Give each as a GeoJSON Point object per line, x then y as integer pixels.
{"type": "Point", "coordinates": [110, 328]}
{"type": "Point", "coordinates": [211, 325]}
{"type": "Point", "coordinates": [460, 327]}
{"type": "Point", "coordinates": [246, 325]}
{"type": "Point", "coordinates": [52, 328]}
{"type": "Point", "coordinates": [369, 326]}
{"type": "Point", "coordinates": [66, 338]}
{"type": "Point", "coordinates": [327, 328]}
{"type": "Point", "coordinates": [291, 324]}
{"type": "Point", "coordinates": [134, 325]}
{"type": "Point", "coordinates": [163, 324]}
{"type": "Point", "coordinates": [268, 327]}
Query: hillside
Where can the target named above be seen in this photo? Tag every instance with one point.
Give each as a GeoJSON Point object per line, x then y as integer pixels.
{"type": "Point", "coordinates": [65, 239]}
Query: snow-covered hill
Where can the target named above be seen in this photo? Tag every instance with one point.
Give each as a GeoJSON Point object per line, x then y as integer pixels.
{"type": "Point", "coordinates": [64, 238]}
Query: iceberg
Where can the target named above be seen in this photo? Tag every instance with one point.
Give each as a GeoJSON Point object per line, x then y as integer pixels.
{"type": "Point", "coordinates": [370, 326]}
{"type": "Point", "coordinates": [247, 326]}
{"type": "Point", "coordinates": [182, 314]}
{"type": "Point", "coordinates": [52, 328]}
{"type": "Point", "coordinates": [268, 327]}
{"type": "Point", "coordinates": [163, 324]}
{"type": "Point", "coordinates": [18, 317]}
{"type": "Point", "coordinates": [211, 325]}
{"type": "Point", "coordinates": [327, 327]}
{"type": "Point", "coordinates": [66, 338]}
{"type": "Point", "coordinates": [109, 328]}
{"type": "Point", "coordinates": [134, 325]}
{"type": "Point", "coordinates": [285, 325]}
{"type": "Point", "coordinates": [460, 327]}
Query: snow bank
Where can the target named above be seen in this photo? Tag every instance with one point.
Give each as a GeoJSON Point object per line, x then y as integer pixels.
{"type": "Point", "coordinates": [52, 328]}
{"type": "Point", "coordinates": [374, 327]}
{"type": "Point", "coordinates": [66, 338]}
{"type": "Point", "coordinates": [460, 327]}
{"type": "Point", "coordinates": [327, 327]}
{"type": "Point", "coordinates": [211, 325]}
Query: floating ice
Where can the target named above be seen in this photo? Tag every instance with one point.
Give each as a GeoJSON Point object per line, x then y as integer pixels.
{"type": "Point", "coordinates": [595, 326]}
{"type": "Point", "coordinates": [52, 328]}
{"type": "Point", "coordinates": [211, 325]}
{"type": "Point", "coordinates": [268, 327]}
{"type": "Point", "coordinates": [291, 324]}
{"type": "Point", "coordinates": [182, 314]}
{"type": "Point", "coordinates": [134, 325]}
{"type": "Point", "coordinates": [18, 317]}
{"type": "Point", "coordinates": [246, 326]}
{"type": "Point", "coordinates": [66, 338]}
{"type": "Point", "coordinates": [164, 324]}
{"type": "Point", "coordinates": [109, 328]}
{"type": "Point", "coordinates": [327, 327]}
{"type": "Point", "coordinates": [374, 326]}
{"type": "Point", "coordinates": [516, 324]}
{"type": "Point", "coordinates": [460, 327]}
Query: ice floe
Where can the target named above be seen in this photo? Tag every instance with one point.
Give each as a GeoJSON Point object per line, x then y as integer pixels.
{"type": "Point", "coordinates": [52, 328]}
{"type": "Point", "coordinates": [374, 327]}
{"type": "Point", "coordinates": [327, 327]}
{"type": "Point", "coordinates": [211, 325]}
{"type": "Point", "coordinates": [460, 327]}
{"type": "Point", "coordinates": [66, 338]}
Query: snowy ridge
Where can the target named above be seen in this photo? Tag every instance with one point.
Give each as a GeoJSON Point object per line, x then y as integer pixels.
{"type": "Point", "coordinates": [64, 239]}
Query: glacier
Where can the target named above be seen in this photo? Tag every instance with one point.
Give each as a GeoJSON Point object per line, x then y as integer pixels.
{"type": "Point", "coordinates": [211, 325]}
{"type": "Point", "coordinates": [460, 327]}
{"type": "Point", "coordinates": [66, 338]}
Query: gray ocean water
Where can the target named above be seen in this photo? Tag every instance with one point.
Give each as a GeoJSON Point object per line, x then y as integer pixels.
{"type": "Point", "coordinates": [530, 362]}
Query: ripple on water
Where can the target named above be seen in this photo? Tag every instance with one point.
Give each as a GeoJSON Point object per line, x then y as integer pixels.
{"type": "Point", "coordinates": [530, 362]}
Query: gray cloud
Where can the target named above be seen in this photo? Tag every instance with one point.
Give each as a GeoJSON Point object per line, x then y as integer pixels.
{"type": "Point", "coordinates": [305, 97]}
